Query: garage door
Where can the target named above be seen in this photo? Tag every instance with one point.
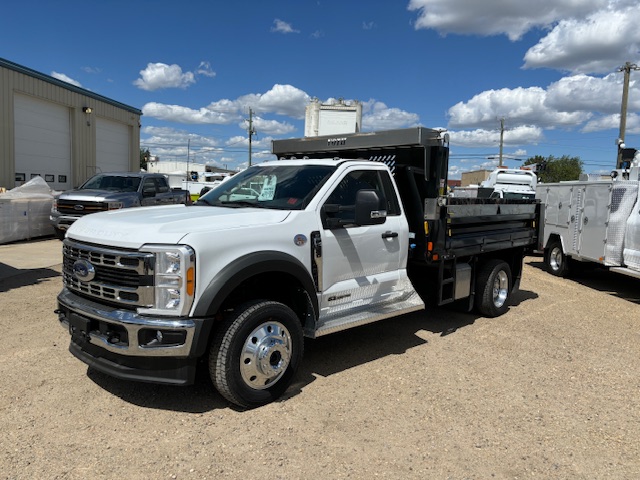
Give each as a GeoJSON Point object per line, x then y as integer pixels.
{"type": "Point", "coordinates": [42, 141]}
{"type": "Point", "coordinates": [112, 146]}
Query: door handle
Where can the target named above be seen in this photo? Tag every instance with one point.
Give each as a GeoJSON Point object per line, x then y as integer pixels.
{"type": "Point", "coordinates": [389, 234]}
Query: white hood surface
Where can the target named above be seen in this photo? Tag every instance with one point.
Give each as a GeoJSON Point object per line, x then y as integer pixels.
{"type": "Point", "coordinates": [134, 227]}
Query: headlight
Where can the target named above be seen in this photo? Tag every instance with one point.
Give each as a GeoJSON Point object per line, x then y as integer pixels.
{"type": "Point", "coordinates": [174, 279]}
{"type": "Point", "coordinates": [115, 205]}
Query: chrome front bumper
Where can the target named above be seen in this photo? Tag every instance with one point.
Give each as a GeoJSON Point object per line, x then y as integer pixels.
{"type": "Point", "coordinates": [124, 332]}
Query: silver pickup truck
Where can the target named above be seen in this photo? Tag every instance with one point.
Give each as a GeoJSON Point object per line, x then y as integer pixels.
{"type": "Point", "coordinates": [113, 191]}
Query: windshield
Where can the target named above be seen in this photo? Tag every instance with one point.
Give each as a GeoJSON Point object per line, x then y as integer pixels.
{"type": "Point", "coordinates": [116, 183]}
{"type": "Point", "coordinates": [283, 187]}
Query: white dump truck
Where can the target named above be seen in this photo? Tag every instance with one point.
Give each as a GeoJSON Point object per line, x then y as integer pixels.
{"type": "Point", "coordinates": [336, 233]}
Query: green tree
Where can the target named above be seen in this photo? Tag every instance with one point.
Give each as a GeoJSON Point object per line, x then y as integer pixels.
{"type": "Point", "coordinates": [551, 169]}
{"type": "Point", "coordinates": [144, 158]}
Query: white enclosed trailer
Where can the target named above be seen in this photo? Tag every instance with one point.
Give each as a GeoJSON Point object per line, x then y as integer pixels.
{"type": "Point", "coordinates": [593, 222]}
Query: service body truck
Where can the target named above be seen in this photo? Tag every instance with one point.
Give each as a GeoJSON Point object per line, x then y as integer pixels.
{"type": "Point", "coordinates": [352, 230]}
{"type": "Point", "coordinates": [591, 222]}
{"type": "Point", "coordinates": [511, 183]}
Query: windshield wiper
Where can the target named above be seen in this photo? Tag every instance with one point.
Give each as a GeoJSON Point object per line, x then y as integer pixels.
{"type": "Point", "coordinates": [242, 203]}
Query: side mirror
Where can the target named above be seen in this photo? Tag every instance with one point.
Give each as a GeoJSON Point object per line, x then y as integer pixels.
{"type": "Point", "coordinates": [370, 208]}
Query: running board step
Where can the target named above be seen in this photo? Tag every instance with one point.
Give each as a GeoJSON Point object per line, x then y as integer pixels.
{"type": "Point", "coordinates": [368, 314]}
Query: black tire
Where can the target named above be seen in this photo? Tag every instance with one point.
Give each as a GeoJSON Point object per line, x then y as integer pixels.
{"type": "Point", "coordinates": [493, 288]}
{"type": "Point", "coordinates": [555, 260]}
{"type": "Point", "coordinates": [255, 353]}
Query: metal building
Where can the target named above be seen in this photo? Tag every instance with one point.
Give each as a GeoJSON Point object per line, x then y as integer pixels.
{"type": "Point", "coordinates": [61, 132]}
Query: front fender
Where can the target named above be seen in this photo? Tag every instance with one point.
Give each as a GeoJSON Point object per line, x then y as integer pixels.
{"type": "Point", "coordinates": [235, 273]}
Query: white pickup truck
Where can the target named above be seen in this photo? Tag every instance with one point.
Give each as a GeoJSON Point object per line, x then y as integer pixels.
{"type": "Point", "coordinates": [286, 249]}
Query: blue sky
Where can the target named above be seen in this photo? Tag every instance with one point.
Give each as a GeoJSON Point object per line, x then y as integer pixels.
{"type": "Point", "coordinates": [549, 68]}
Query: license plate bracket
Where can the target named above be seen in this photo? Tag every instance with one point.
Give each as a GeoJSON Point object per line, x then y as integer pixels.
{"type": "Point", "coordinates": [78, 325]}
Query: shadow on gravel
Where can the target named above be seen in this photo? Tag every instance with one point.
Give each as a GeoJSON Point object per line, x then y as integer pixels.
{"type": "Point", "coordinates": [13, 278]}
{"type": "Point", "coordinates": [198, 398]}
{"type": "Point", "coordinates": [323, 357]}
{"type": "Point", "coordinates": [599, 278]}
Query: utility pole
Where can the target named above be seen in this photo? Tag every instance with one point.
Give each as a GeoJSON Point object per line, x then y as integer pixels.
{"type": "Point", "coordinates": [501, 140]}
{"type": "Point", "coordinates": [623, 110]}
{"type": "Point", "coordinates": [251, 132]}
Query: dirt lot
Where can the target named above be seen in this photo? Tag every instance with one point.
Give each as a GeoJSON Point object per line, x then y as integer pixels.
{"type": "Point", "coordinates": [550, 390]}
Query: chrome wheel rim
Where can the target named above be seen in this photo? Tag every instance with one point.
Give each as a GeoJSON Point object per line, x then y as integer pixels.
{"type": "Point", "coordinates": [500, 289]}
{"type": "Point", "coordinates": [265, 355]}
{"type": "Point", "coordinates": [555, 259]}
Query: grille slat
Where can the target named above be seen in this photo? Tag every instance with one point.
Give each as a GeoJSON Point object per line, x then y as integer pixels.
{"type": "Point", "coordinates": [122, 277]}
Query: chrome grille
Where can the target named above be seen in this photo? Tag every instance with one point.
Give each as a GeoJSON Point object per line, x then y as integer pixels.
{"type": "Point", "coordinates": [75, 207]}
{"type": "Point", "coordinates": [121, 276]}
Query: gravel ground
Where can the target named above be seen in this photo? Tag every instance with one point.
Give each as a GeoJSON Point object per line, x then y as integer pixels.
{"type": "Point", "coordinates": [549, 390]}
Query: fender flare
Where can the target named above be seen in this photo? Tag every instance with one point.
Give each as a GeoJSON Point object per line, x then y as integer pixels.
{"type": "Point", "coordinates": [241, 269]}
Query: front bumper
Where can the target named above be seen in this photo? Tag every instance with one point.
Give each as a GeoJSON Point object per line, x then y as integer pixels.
{"type": "Point", "coordinates": [125, 345]}
{"type": "Point", "coordinates": [62, 222]}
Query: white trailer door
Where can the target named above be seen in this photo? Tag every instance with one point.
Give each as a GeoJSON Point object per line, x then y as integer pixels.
{"type": "Point", "coordinates": [112, 146]}
{"type": "Point", "coordinates": [42, 136]}
{"type": "Point", "coordinates": [593, 221]}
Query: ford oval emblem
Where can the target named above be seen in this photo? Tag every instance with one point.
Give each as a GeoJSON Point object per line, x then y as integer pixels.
{"type": "Point", "coordinates": [83, 270]}
{"type": "Point", "coordinates": [78, 207]}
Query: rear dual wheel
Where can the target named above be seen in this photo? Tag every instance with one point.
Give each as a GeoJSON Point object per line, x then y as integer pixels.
{"type": "Point", "coordinates": [255, 353]}
{"type": "Point", "coordinates": [493, 288]}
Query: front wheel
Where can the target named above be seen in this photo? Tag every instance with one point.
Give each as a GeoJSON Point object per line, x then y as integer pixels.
{"type": "Point", "coordinates": [255, 353]}
{"type": "Point", "coordinates": [493, 288]}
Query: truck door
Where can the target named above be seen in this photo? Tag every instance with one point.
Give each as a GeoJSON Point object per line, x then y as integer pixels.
{"type": "Point", "coordinates": [149, 193]}
{"type": "Point", "coordinates": [363, 266]}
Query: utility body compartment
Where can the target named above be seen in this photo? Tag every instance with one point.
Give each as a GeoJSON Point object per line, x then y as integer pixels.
{"type": "Point", "coordinates": [594, 221]}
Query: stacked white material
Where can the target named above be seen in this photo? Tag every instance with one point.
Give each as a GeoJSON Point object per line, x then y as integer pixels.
{"type": "Point", "coordinates": [24, 211]}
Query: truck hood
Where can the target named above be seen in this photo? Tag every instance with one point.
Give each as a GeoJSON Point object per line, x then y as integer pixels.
{"type": "Point", "coordinates": [95, 195]}
{"type": "Point", "coordinates": [134, 227]}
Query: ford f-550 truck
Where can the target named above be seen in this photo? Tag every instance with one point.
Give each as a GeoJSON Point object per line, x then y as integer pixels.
{"type": "Point", "coordinates": [337, 233]}
{"type": "Point", "coordinates": [113, 191]}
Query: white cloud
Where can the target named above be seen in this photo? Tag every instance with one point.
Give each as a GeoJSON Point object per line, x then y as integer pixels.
{"type": "Point", "coordinates": [574, 102]}
{"type": "Point", "coordinates": [280, 26]}
{"type": "Point", "coordinates": [91, 70]}
{"type": "Point", "coordinates": [584, 36]}
{"type": "Point", "coordinates": [65, 78]}
{"type": "Point", "coordinates": [160, 75]}
{"type": "Point", "coordinates": [283, 100]}
{"type": "Point", "coordinates": [179, 114]}
{"type": "Point", "coordinates": [519, 106]}
{"type": "Point", "coordinates": [494, 17]}
{"type": "Point", "coordinates": [608, 122]}
{"type": "Point", "coordinates": [271, 127]}
{"type": "Point", "coordinates": [205, 69]}
{"type": "Point", "coordinates": [521, 135]}
{"type": "Point", "coordinates": [377, 116]}
{"type": "Point", "coordinates": [599, 43]}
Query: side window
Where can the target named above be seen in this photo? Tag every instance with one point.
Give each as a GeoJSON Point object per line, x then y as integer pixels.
{"type": "Point", "coordinates": [148, 187]}
{"type": "Point", "coordinates": [345, 193]}
{"type": "Point", "coordinates": [163, 187]}
{"type": "Point", "coordinates": [393, 206]}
